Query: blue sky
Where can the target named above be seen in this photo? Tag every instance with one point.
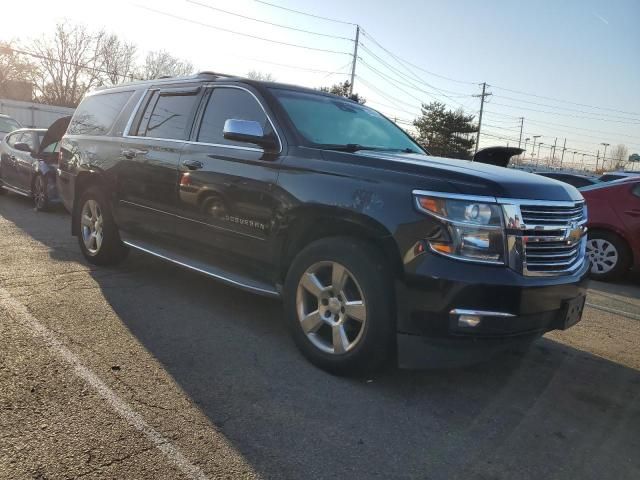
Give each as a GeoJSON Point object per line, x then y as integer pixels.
{"type": "Point", "coordinates": [586, 52]}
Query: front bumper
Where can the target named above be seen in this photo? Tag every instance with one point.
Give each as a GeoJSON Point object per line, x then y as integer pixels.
{"type": "Point", "coordinates": [430, 335]}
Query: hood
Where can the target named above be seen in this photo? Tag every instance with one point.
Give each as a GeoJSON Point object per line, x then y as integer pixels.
{"type": "Point", "coordinates": [55, 132]}
{"type": "Point", "coordinates": [498, 156]}
{"type": "Point", "coordinates": [467, 177]}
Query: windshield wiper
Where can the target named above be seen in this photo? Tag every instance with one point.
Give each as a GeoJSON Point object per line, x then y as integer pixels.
{"type": "Point", "coordinates": [354, 147]}
{"type": "Point", "coordinates": [347, 147]}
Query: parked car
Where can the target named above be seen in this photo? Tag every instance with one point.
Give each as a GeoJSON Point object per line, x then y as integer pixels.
{"type": "Point", "coordinates": [611, 176]}
{"type": "Point", "coordinates": [576, 180]}
{"type": "Point", "coordinates": [28, 161]}
{"type": "Point", "coordinates": [614, 227]}
{"type": "Point", "coordinates": [7, 125]}
{"type": "Point", "coordinates": [373, 246]}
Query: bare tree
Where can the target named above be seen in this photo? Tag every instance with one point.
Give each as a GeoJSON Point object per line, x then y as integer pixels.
{"type": "Point", "coordinates": [13, 66]}
{"type": "Point", "coordinates": [69, 64]}
{"type": "Point", "coordinates": [160, 64]}
{"type": "Point", "coordinates": [256, 75]}
{"type": "Point", "coordinates": [619, 156]}
{"type": "Point", "coordinates": [118, 59]}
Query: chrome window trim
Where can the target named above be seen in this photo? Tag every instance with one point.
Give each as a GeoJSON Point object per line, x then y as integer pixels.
{"type": "Point", "coordinates": [192, 142]}
{"type": "Point", "coordinates": [480, 313]}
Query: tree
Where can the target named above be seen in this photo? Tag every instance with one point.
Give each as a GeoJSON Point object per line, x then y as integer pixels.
{"type": "Point", "coordinates": [619, 156]}
{"type": "Point", "coordinates": [13, 67]}
{"type": "Point", "coordinates": [69, 64]}
{"type": "Point", "coordinates": [256, 75]}
{"type": "Point", "coordinates": [342, 90]}
{"type": "Point", "coordinates": [162, 64]}
{"type": "Point", "coordinates": [445, 133]}
{"type": "Point", "coordinates": [118, 59]}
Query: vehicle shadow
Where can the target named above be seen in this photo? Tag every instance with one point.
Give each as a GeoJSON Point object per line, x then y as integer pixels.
{"type": "Point", "coordinates": [554, 412]}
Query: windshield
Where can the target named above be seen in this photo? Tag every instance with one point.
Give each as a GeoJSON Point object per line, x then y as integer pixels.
{"type": "Point", "coordinates": [8, 124]}
{"type": "Point", "coordinates": [330, 121]}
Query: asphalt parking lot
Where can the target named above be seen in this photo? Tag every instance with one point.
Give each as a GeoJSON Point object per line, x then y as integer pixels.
{"type": "Point", "coordinates": [150, 371]}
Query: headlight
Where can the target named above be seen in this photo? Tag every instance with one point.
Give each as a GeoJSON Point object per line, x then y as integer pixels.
{"type": "Point", "coordinates": [474, 228]}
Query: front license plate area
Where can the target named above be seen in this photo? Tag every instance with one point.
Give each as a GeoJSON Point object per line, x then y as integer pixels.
{"type": "Point", "coordinates": [573, 311]}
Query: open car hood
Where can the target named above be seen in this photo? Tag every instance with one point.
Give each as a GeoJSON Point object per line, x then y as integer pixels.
{"type": "Point", "coordinates": [498, 156]}
{"type": "Point", "coordinates": [55, 132]}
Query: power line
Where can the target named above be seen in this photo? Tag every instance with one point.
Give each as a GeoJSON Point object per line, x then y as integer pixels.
{"type": "Point", "coordinates": [207, 25]}
{"type": "Point", "coordinates": [395, 82]}
{"type": "Point", "coordinates": [563, 101]}
{"type": "Point", "coordinates": [267, 22]}
{"type": "Point", "coordinates": [567, 108]}
{"type": "Point", "coordinates": [295, 67]}
{"type": "Point", "coordinates": [416, 66]}
{"type": "Point", "coordinates": [304, 13]}
{"type": "Point", "coordinates": [380, 92]}
{"type": "Point", "coordinates": [565, 114]}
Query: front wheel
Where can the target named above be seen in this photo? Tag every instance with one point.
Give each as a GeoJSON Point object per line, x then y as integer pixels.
{"type": "Point", "coordinates": [99, 238]}
{"type": "Point", "coordinates": [609, 255]}
{"type": "Point", "coordinates": [339, 300]}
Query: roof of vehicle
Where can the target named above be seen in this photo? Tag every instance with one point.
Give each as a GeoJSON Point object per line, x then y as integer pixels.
{"type": "Point", "coordinates": [612, 184]}
{"type": "Point", "coordinates": [29, 130]}
{"type": "Point", "coordinates": [213, 77]}
{"type": "Point", "coordinates": [569, 174]}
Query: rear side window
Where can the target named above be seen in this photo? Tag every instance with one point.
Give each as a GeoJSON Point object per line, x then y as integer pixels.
{"type": "Point", "coordinates": [27, 137]}
{"type": "Point", "coordinates": [169, 115]}
{"type": "Point", "coordinates": [96, 114]}
{"type": "Point", "coordinates": [225, 104]}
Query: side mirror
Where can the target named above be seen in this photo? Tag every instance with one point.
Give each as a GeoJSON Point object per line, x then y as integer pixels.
{"type": "Point", "coordinates": [247, 131]}
{"type": "Point", "coordinates": [23, 147]}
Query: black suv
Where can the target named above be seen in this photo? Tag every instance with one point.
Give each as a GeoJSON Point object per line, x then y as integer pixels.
{"type": "Point", "coordinates": [376, 248]}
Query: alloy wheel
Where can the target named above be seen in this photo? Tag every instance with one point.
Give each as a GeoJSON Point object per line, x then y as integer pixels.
{"type": "Point", "coordinates": [331, 307]}
{"type": "Point", "coordinates": [602, 254]}
{"type": "Point", "coordinates": [40, 194]}
{"type": "Point", "coordinates": [92, 225]}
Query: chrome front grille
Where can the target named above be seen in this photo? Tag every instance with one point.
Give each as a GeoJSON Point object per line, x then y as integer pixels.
{"type": "Point", "coordinates": [545, 238]}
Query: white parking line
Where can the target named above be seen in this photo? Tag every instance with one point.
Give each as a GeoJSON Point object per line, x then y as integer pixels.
{"type": "Point", "coordinates": [20, 314]}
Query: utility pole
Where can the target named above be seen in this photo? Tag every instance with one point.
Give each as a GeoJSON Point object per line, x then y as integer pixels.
{"type": "Point", "coordinates": [482, 97]}
{"type": "Point", "coordinates": [355, 60]}
{"type": "Point", "coordinates": [564, 148]}
{"type": "Point", "coordinates": [524, 154]}
{"type": "Point", "coordinates": [521, 125]}
{"type": "Point", "coordinates": [573, 160]}
{"type": "Point", "coordinates": [553, 155]}
{"type": "Point", "coordinates": [533, 149]}
{"type": "Point", "coordinates": [604, 155]}
{"type": "Point", "coordinates": [538, 157]}
{"type": "Point", "coordinates": [597, 158]}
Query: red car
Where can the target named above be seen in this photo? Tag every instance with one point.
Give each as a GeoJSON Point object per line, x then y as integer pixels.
{"type": "Point", "coordinates": [614, 227]}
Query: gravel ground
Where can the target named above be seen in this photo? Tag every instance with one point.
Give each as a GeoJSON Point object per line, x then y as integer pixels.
{"type": "Point", "coordinates": [150, 371]}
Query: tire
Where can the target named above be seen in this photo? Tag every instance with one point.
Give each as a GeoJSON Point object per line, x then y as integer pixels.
{"type": "Point", "coordinates": [609, 255]}
{"type": "Point", "coordinates": [351, 330]}
{"type": "Point", "coordinates": [40, 193]}
{"type": "Point", "coordinates": [98, 222]}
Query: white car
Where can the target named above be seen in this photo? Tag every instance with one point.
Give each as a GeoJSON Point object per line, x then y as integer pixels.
{"type": "Point", "coordinates": [7, 125]}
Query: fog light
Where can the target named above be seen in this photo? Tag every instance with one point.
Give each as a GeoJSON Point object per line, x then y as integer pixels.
{"type": "Point", "coordinates": [469, 320]}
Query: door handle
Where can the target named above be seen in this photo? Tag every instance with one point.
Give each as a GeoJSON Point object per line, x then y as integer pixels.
{"type": "Point", "coordinates": [192, 164]}
{"type": "Point", "coordinates": [633, 213]}
{"type": "Point", "coordinates": [133, 153]}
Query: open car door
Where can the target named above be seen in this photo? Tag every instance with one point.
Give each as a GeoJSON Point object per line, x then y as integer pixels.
{"type": "Point", "coordinates": [498, 156]}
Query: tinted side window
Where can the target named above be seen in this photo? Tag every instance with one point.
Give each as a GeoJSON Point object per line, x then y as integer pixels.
{"type": "Point", "coordinates": [171, 116]}
{"type": "Point", "coordinates": [636, 190]}
{"type": "Point", "coordinates": [225, 104]}
{"type": "Point", "coordinates": [96, 114]}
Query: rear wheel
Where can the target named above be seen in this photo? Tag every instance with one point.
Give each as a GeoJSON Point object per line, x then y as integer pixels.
{"type": "Point", "coordinates": [339, 302]}
{"type": "Point", "coordinates": [609, 255]}
{"type": "Point", "coordinates": [40, 193]}
{"type": "Point", "coordinates": [99, 238]}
